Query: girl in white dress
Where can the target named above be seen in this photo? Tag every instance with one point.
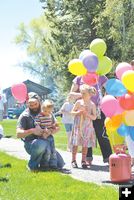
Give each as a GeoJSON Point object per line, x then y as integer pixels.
{"type": "Point", "coordinates": [83, 135]}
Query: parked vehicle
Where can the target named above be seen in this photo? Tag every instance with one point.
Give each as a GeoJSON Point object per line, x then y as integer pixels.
{"type": "Point", "coordinates": [14, 113]}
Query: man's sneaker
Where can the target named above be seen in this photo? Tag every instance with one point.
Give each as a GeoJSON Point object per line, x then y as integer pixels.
{"type": "Point", "coordinates": [43, 168]}
{"type": "Point", "coordinates": [53, 168]}
{"type": "Point", "coordinates": [32, 170]}
{"type": "Point", "coordinates": [64, 170]}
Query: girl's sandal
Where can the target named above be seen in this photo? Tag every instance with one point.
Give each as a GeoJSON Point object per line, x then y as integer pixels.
{"type": "Point", "coordinates": [74, 164]}
{"type": "Point", "coordinates": [89, 162]}
{"type": "Point", "coordinates": [84, 164]}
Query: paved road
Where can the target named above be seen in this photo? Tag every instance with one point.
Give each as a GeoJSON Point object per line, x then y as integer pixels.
{"type": "Point", "coordinates": [98, 173]}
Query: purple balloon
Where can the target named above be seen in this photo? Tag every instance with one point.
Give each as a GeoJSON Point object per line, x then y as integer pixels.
{"type": "Point", "coordinates": [90, 61]}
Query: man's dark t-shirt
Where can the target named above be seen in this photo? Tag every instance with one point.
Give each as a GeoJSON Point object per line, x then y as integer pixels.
{"type": "Point", "coordinates": [26, 121]}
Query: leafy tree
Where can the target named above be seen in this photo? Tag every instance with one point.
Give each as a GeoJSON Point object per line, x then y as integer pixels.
{"type": "Point", "coordinates": [67, 28]}
{"type": "Point", "coordinates": [115, 23]}
{"type": "Point", "coordinates": [31, 39]}
{"type": "Point", "coordinates": [37, 41]}
{"type": "Point", "coordinates": [74, 30]}
{"type": "Point", "coordinates": [80, 21]}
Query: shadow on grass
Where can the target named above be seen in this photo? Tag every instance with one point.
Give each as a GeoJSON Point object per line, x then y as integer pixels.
{"type": "Point", "coordinates": [8, 136]}
{"type": "Point", "coordinates": [7, 165]}
{"type": "Point", "coordinates": [4, 179]}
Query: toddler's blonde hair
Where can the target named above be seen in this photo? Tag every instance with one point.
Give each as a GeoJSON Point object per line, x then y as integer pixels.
{"type": "Point", "coordinates": [47, 104]}
{"type": "Point", "coordinates": [89, 89]}
{"type": "Point", "coordinates": [132, 62]}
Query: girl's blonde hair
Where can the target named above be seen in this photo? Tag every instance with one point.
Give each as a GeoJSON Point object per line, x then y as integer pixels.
{"type": "Point", "coordinates": [69, 96]}
{"type": "Point", "coordinates": [47, 104]}
{"type": "Point", "coordinates": [89, 89]}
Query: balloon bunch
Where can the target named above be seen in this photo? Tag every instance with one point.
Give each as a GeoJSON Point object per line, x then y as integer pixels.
{"type": "Point", "coordinates": [19, 92]}
{"type": "Point", "coordinates": [118, 105]}
{"type": "Point", "coordinates": [91, 63]}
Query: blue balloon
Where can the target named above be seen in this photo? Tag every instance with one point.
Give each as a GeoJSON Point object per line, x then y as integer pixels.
{"type": "Point", "coordinates": [123, 130]}
{"type": "Point", "coordinates": [115, 87]}
{"type": "Point", "coordinates": [131, 132]}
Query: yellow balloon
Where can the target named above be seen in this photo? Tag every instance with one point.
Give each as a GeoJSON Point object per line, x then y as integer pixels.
{"type": "Point", "coordinates": [129, 118]}
{"type": "Point", "coordinates": [76, 67]}
{"type": "Point", "coordinates": [115, 138]}
{"type": "Point", "coordinates": [128, 80]}
{"type": "Point", "coordinates": [108, 124]}
{"type": "Point", "coordinates": [123, 117]}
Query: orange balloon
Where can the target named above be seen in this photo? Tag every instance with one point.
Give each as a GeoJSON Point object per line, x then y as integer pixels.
{"type": "Point", "coordinates": [116, 120]}
{"type": "Point", "coordinates": [113, 123]}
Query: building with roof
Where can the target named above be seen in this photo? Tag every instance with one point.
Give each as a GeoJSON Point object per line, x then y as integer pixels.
{"type": "Point", "coordinates": [31, 87]}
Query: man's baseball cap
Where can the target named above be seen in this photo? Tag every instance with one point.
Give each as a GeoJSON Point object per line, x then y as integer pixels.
{"type": "Point", "coordinates": [32, 96]}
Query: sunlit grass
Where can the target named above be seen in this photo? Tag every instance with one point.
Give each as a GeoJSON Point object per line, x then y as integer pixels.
{"type": "Point", "coordinates": [17, 183]}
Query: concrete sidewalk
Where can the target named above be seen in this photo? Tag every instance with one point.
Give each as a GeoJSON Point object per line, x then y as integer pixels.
{"type": "Point", "coordinates": [98, 173]}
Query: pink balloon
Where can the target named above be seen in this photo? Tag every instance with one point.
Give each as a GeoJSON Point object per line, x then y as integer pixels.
{"type": "Point", "coordinates": [119, 108]}
{"type": "Point", "coordinates": [90, 78]}
{"type": "Point", "coordinates": [121, 68]}
{"type": "Point", "coordinates": [109, 105]}
{"type": "Point", "coordinates": [19, 92]}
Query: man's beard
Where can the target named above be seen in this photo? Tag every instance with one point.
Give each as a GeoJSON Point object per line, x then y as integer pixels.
{"type": "Point", "coordinates": [35, 112]}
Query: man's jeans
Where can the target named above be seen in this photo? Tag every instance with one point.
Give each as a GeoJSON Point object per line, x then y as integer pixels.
{"type": "Point", "coordinates": [39, 151]}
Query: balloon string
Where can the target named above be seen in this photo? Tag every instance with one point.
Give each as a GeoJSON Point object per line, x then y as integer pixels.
{"type": "Point", "coordinates": [104, 132]}
{"type": "Point", "coordinates": [113, 140]}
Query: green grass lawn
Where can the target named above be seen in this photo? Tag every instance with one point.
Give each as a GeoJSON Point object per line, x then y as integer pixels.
{"type": "Point", "coordinates": [9, 126]}
{"type": "Point", "coordinates": [24, 185]}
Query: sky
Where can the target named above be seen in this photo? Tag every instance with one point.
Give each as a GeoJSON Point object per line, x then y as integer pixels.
{"type": "Point", "coordinates": [12, 13]}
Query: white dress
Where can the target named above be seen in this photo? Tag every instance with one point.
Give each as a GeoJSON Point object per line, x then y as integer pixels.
{"type": "Point", "coordinates": [130, 145]}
